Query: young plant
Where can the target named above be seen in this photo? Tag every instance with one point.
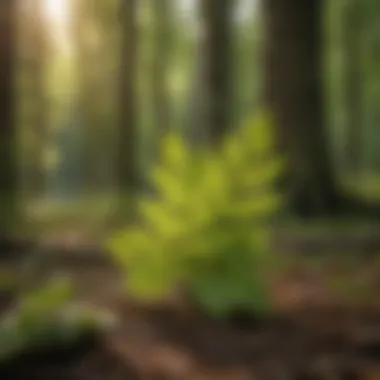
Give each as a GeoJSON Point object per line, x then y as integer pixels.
{"type": "Point", "coordinates": [207, 227]}
{"type": "Point", "coordinates": [44, 317]}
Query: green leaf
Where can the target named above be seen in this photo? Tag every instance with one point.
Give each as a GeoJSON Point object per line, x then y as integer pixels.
{"type": "Point", "coordinates": [169, 185]}
{"type": "Point", "coordinates": [208, 225]}
{"type": "Point", "coordinates": [175, 154]}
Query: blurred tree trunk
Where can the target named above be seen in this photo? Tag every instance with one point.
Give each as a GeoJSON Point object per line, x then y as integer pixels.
{"type": "Point", "coordinates": [96, 57]}
{"type": "Point", "coordinates": [8, 153]}
{"type": "Point", "coordinates": [86, 62]}
{"type": "Point", "coordinates": [293, 93]}
{"type": "Point", "coordinates": [196, 130]}
{"type": "Point", "coordinates": [352, 44]}
{"type": "Point", "coordinates": [38, 96]}
{"type": "Point", "coordinates": [127, 140]}
{"type": "Point", "coordinates": [217, 17]}
{"type": "Point", "coordinates": [371, 42]}
{"type": "Point", "coordinates": [160, 65]}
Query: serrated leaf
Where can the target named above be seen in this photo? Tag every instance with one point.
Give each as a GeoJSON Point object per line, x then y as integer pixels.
{"type": "Point", "coordinates": [254, 209]}
{"type": "Point", "coordinates": [162, 219]}
{"type": "Point", "coordinates": [169, 185]}
{"type": "Point", "coordinates": [153, 279]}
{"type": "Point", "coordinates": [257, 136]}
{"type": "Point", "coordinates": [175, 153]}
{"type": "Point", "coordinates": [263, 175]}
{"type": "Point", "coordinates": [125, 245]}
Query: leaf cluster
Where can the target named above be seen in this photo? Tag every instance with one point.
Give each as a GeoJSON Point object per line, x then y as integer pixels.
{"type": "Point", "coordinates": [208, 225]}
{"type": "Point", "coordinates": [41, 318]}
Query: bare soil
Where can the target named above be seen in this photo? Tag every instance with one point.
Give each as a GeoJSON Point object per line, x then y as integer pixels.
{"type": "Point", "coordinates": [314, 334]}
{"type": "Point", "coordinates": [164, 343]}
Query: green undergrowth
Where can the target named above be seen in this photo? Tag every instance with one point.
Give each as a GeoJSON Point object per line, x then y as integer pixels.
{"type": "Point", "coordinates": [89, 213]}
{"type": "Point", "coordinates": [10, 215]}
{"type": "Point", "coordinates": [367, 187]}
{"type": "Point", "coordinates": [208, 225]}
{"type": "Point", "coordinates": [45, 317]}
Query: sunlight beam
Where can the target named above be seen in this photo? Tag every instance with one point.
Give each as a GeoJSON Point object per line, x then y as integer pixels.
{"type": "Point", "coordinates": [58, 17]}
{"type": "Point", "coordinates": [57, 11]}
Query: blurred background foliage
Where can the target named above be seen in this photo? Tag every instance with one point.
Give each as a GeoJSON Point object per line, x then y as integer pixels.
{"type": "Point", "coordinates": [100, 82]}
{"type": "Point", "coordinates": [68, 89]}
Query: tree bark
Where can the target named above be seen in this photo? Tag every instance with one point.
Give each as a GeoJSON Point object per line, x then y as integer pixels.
{"type": "Point", "coordinates": [197, 132]}
{"type": "Point", "coordinates": [96, 57]}
{"type": "Point", "coordinates": [293, 94]}
{"type": "Point", "coordinates": [217, 17]}
{"type": "Point", "coordinates": [127, 140]}
{"type": "Point", "coordinates": [162, 16]}
{"type": "Point", "coordinates": [88, 94]}
{"type": "Point", "coordinates": [352, 39]}
{"type": "Point", "coordinates": [39, 96]}
{"type": "Point", "coordinates": [8, 153]}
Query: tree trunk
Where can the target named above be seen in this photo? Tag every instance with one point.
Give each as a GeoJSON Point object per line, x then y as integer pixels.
{"type": "Point", "coordinates": [372, 89]}
{"type": "Point", "coordinates": [38, 96]}
{"type": "Point", "coordinates": [352, 42]}
{"type": "Point", "coordinates": [127, 140]}
{"type": "Point", "coordinates": [88, 94]}
{"type": "Point", "coordinates": [160, 66]}
{"type": "Point", "coordinates": [197, 132]}
{"type": "Point", "coordinates": [8, 153]}
{"type": "Point", "coordinates": [217, 20]}
{"type": "Point", "coordinates": [293, 93]}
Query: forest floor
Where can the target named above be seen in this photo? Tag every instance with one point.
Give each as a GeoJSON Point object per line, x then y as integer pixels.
{"type": "Point", "coordinates": [163, 344]}
{"type": "Point", "coordinates": [327, 327]}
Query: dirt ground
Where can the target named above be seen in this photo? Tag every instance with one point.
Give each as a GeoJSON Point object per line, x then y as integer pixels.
{"type": "Point", "coordinates": [316, 333]}
{"type": "Point", "coordinates": [168, 344]}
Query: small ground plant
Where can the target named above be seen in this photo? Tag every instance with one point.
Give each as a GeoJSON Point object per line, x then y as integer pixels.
{"type": "Point", "coordinates": [44, 317]}
{"type": "Point", "coordinates": [207, 225]}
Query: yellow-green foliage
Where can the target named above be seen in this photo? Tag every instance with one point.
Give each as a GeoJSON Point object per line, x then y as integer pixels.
{"type": "Point", "coordinates": [44, 317]}
{"type": "Point", "coordinates": [33, 318]}
{"type": "Point", "coordinates": [207, 226]}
